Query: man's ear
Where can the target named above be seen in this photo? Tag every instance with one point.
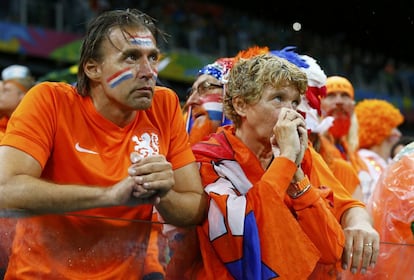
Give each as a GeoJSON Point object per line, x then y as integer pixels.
{"type": "Point", "coordinates": [92, 69]}
{"type": "Point", "coordinates": [239, 106]}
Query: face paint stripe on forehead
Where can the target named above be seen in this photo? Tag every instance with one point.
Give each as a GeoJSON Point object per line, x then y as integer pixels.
{"type": "Point", "coordinates": [119, 76]}
{"type": "Point", "coordinates": [144, 41]}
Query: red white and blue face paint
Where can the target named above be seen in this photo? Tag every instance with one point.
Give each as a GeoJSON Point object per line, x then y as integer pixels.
{"type": "Point", "coordinates": [119, 77]}
{"type": "Point", "coordinates": [213, 104]}
{"type": "Point", "coordinates": [142, 41]}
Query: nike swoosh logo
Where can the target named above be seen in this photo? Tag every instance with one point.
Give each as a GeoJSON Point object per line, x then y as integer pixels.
{"type": "Point", "coordinates": [83, 150]}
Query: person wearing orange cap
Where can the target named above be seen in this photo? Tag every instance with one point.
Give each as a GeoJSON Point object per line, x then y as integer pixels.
{"type": "Point", "coordinates": [339, 103]}
{"type": "Point", "coordinates": [378, 122]}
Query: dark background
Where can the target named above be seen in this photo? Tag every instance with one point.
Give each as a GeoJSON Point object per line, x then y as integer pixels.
{"type": "Point", "coordinates": [370, 42]}
{"type": "Point", "coordinates": [383, 26]}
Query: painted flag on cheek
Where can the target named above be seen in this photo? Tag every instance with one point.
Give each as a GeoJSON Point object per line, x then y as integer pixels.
{"type": "Point", "coordinates": [119, 77]}
{"type": "Point", "coordinates": [213, 104]}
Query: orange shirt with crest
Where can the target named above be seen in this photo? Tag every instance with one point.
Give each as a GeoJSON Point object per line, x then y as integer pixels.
{"type": "Point", "coordinates": [75, 144]}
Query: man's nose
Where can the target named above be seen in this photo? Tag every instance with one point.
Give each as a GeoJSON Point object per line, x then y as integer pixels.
{"type": "Point", "coordinates": [145, 69]}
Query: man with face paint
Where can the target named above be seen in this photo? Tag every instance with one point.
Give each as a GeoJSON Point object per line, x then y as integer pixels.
{"type": "Point", "coordinates": [87, 164]}
{"type": "Point", "coordinates": [203, 109]}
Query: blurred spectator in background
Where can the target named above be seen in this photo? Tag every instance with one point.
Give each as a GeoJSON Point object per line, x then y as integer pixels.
{"type": "Point", "coordinates": [400, 144]}
{"type": "Point", "coordinates": [339, 103]}
{"type": "Point", "coordinates": [341, 140]}
{"type": "Point", "coordinates": [17, 80]}
{"type": "Point", "coordinates": [378, 122]}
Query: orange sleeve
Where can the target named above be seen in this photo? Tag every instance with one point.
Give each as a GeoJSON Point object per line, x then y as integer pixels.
{"type": "Point", "coordinates": [284, 178]}
{"type": "Point", "coordinates": [315, 217]}
{"type": "Point", "coordinates": [321, 175]}
{"type": "Point", "coordinates": [32, 127]}
{"type": "Point", "coordinates": [256, 211]}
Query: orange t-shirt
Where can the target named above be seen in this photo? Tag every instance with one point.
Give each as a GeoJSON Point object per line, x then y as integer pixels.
{"type": "Point", "coordinates": [74, 144]}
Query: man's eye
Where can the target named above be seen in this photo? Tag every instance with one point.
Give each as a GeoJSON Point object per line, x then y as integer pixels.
{"type": "Point", "coordinates": [153, 58]}
{"type": "Point", "coordinates": [132, 57]}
